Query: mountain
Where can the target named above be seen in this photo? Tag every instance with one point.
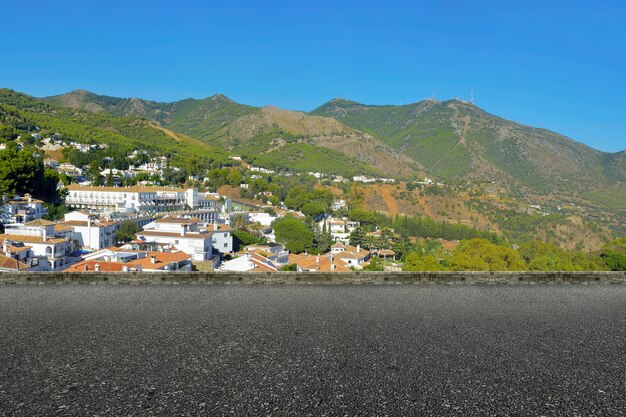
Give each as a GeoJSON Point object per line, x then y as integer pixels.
{"type": "Point", "coordinates": [452, 141]}
{"type": "Point", "coordinates": [457, 141]}
{"type": "Point", "coordinates": [193, 117]}
{"type": "Point", "coordinates": [123, 134]}
{"type": "Point", "coordinates": [270, 136]}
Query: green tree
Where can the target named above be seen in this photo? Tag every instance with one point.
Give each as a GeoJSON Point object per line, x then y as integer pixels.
{"type": "Point", "coordinates": [614, 254]}
{"type": "Point", "coordinates": [23, 172]}
{"type": "Point", "coordinates": [294, 234]}
{"type": "Point", "coordinates": [482, 255]}
{"type": "Point", "coordinates": [417, 262]}
{"type": "Point", "coordinates": [375, 264]}
{"type": "Point", "coordinates": [127, 231]}
{"type": "Point", "coordinates": [312, 209]}
{"type": "Point", "coordinates": [357, 237]}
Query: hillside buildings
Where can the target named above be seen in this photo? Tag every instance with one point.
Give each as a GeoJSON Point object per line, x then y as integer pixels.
{"type": "Point", "coordinates": [21, 209]}
{"type": "Point", "coordinates": [89, 231]}
{"type": "Point", "coordinates": [36, 244]}
{"type": "Point", "coordinates": [139, 261]}
{"type": "Point", "coordinates": [131, 199]}
{"type": "Point", "coordinates": [339, 229]}
{"type": "Point", "coordinates": [187, 234]}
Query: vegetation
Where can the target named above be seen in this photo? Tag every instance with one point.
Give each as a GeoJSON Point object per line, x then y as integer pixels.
{"type": "Point", "coordinates": [23, 172]}
{"type": "Point", "coordinates": [294, 234]}
{"type": "Point", "coordinates": [127, 231]}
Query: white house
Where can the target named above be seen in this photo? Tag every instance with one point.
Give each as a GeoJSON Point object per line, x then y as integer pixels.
{"type": "Point", "coordinates": [38, 243]}
{"type": "Point", "coordinates": [21, 209]}
{"type": "Point", "coordinates": [131, 199]}
{"type": "Point", "coordinates": [249, 262]}
{"type": "Point", "coordinates": [140, 261]}
{"type": "Point", "coordinates": [338, 229]}
{"type": "Point", "coordinates": [182, 233]}
{"type": "Point", "coordinates": [352, 256]}
{"type": "Point", "coordinates": [90, 231]}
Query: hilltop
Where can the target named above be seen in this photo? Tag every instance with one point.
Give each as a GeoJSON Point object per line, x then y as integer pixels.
{"type": "Point", "coordinates": [453, 142]}
{"type": "Point", "coordinates": [457, 141]}
{"type": "Point", "coordinates": [269, 136]}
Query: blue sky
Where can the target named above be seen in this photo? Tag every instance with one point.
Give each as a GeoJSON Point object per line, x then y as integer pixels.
{"type": "Point", "coordinates": [558, 65]}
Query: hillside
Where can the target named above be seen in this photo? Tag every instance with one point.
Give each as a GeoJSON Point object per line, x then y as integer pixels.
{"type": "Point", "coordinates": [451, 141]}
{"type": "Point", "coordinates": [457, 141]}
{"type": "Point", "coordinates": [125, 134]}
{"type": "Point", "coordinates": [197, 118]}
{"type": "Point", "coordinates": [268, 136]}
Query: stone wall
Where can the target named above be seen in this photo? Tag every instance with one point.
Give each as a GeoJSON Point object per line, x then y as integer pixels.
{"type": "Point", "coordinates": [208, 278]}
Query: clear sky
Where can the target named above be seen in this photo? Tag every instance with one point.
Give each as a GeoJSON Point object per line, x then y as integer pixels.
{"type": "Point", "coordinates": [558, 65]}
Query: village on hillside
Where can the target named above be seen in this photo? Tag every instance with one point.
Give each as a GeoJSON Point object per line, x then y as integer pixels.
{"type": "Point", "coordinates": [138, 211]}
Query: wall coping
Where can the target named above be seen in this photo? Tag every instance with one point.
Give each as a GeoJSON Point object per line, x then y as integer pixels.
{"type": "Point", "coordinates": [358, 277]}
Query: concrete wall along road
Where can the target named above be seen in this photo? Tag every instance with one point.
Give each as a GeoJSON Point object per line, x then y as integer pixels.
{"type": "Point", "coordinates": [389, 278]}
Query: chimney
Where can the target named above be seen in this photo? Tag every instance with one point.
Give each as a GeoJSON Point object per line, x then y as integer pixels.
{"type": "Point", "coordinates": [358, 248]}
{"type": "Point", "coordinates": [124, 268]}
{"type": "Point", "coordinates": [332, 267]}
{"type": "Point", "coordinates": [183, 231]}
{"type": "Point", "coordinates": [215, 226]}
{"type": "Point", "coordinates": [86, 267]}
{"type": "Point", "coordinates": [153, 259]}
{"type": "Point", "coordinates": [97, 267]}
{"type": "Point", "coordinates": [317, 259]}
{"type": "Point", "coordinates": [5, 247]}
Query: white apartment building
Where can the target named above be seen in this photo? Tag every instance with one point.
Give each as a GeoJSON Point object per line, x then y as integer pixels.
{"type": "Point", "coordinates": [339, 230]}
{"type": "Point", "coordinates": [131, 199]}
{"type": "Point", "coordinates": [89, 231]}
{"type": "Point", "coordinates": [36, 244]}
{"type": "Point", "coordinates": [182, 233]}
{"type": "Point", "coordinates": [21, 209]}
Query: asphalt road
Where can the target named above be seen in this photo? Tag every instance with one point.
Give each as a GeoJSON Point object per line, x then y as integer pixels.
{"type": "Point", "coordinates": [313, 350]}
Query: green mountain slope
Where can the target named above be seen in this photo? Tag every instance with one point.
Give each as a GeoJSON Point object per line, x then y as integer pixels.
{"type": "Point", "coordinates": [268, 136]}
{"type": "Point", "coordinates": [124, 133]}
{"type": "Point", "coordinates": [455, 140]}
{"type": "Point", "coordinates": [197, 118]}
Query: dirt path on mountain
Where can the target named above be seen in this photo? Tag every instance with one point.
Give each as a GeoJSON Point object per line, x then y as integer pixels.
{"type": "Point", "coordinates": [390, 201]}
{"type": "Point", "coordinates": [426, 209]}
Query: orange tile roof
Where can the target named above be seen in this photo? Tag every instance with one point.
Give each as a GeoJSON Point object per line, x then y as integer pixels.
{"type": "Point", "coordinates": [39, 222]}
{"type": "Point", "coordinates": [323, 263]}
{"type": "Point", "coordinates": [170, 256]}
{"type": "Point", "coordinates": [31, 239]}
{"type": "Point", "coordinates": [10, 263]}
{"type": "Point", "coordinates": [91, 266]}
{"type": "Point", "coordinates": [16, 249]}
{"type": "Point", "coordinates": [60, 227]}
{"type": "Point", "coordinates": [162, 260]}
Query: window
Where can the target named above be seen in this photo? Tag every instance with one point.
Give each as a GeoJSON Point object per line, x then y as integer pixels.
{"type": "Point", "coordinates": [225, 245]}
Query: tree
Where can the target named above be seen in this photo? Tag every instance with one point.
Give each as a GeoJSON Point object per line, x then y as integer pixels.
{"type": "Point", "coordinates": [614, 254]}
{"type": "Point", "coordinates": [357, 237]}
{"type": "Point", "coordinates": [242, 238]}
{"type": "Point", "coordinates": [374, 265]}
{"type": "Point", "coordinates": [312, 209]}
{"type": "Point", "coordinates": [23, 172]}
{"type": "Point", "coordinates": [482, 255]}
{"type": "Point", "coordinates": [234, 178]}
{"type": "Point", "coordinates": [127, 231]}
{"type": "Point", "coordinates": [296, 236]}
{"type": "Point", "coordinates": [416, 262]}
{"type": "Point", "coordinates": [296, 198]}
